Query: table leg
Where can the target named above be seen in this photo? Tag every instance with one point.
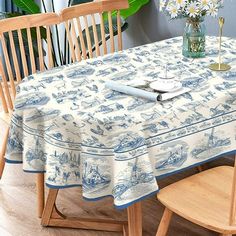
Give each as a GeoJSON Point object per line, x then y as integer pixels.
{"type": "Point", "coordinates": [135, 219]}
{"type": "Point", "coordinates": [40, 193]}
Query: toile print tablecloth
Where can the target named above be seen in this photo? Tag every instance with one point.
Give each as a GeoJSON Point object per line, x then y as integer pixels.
{"type": "Point", "coordinates": [68, 125]}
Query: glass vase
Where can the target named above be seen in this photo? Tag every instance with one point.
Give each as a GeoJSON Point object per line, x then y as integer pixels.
{"type": "Point", "coordinates": [194, 38]}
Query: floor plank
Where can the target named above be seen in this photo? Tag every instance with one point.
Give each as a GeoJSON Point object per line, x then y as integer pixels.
{"type": "Point", "coordinates": [18, 216]}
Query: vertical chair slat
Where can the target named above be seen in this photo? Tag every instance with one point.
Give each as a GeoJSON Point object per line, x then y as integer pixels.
{"type": "Point", "coordinates": [74, 38]}
{"type": "Point", "coordinates": [8, 65]}
{"type": "Point", "coordinates": [111, 32]}
{"type": "Point", "coordinates": [95, 35]}
{"type": "Point", "coordinates": [22, 52]}
{"type": "Point", "coordinates": [120, 46]}
{"type": "Point", "coordinates": [104, 43]}
{"type": "Point", "coordinates": [14, 57]}
{"type": "Point", "coordinates": [88, 37]}
{"type": "Point", "coordinates": [3, 99]}
{"type": "Point", "coordinates": [40, 49]}
{"type": "Point", "coordinates": [49, 46]}
{"type": "Point", "coordinates": [31, 51]}
{"type": "Point", "coordinates": [82, 44]}
{"type": "Point", "coordinates": [70, 41]}
{"type": "Point", "coordinates": [6, 87]}
{"type": "Point", "coordinates": [233, 197]}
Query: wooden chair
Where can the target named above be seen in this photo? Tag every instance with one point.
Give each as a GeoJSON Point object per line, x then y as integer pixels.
{"type": "Point", "coordinates": [75, 17]}
{"type": "Point", "coordinates": [207, 199]}
{"type": "Point", "coordinates": [15, 34]}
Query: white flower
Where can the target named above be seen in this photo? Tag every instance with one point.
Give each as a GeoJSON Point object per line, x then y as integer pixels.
{"type": "Point", "coordinates": [172, 9]}
{"type": "Point", "coordinates": [162, 4]}
{"type": "Point", "coordinates": [192, 9]}
{"type": "Point", "coordinates": [204, 4]}
{"type": "Point", "coordinates": [180, 3]}
{"type": "Point", "coordinates": [213, 10]}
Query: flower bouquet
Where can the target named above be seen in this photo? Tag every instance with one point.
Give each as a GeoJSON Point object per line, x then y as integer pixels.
{"type": "Point", "coordinates": [194, 11]}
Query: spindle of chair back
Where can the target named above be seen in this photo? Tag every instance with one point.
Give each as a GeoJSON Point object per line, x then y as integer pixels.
{"type": "Point", "coordinates": [233, 197]}
{"type": "Point", "coordinates": [19, 30]}
{"type": "Point", "coordinates": [76, 19]}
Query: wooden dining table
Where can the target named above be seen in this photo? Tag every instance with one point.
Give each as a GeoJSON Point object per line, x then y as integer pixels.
{"type": "Point", "coordinates": [70, 126]}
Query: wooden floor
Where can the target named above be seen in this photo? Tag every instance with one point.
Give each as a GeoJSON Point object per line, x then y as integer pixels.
{"type": "Point", "coordinates": [18, 216]}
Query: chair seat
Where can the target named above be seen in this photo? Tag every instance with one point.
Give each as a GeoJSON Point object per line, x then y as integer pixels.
{"type": "Point", "coordinates": [203, 199]}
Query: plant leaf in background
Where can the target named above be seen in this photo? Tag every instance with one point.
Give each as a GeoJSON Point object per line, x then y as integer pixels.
{"type": "Point", "coordinates": [29, 6]}
{"type": "Point", "coordinates": [134, 6]}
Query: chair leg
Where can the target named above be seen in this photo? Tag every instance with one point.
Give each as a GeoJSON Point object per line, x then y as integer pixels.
{"type": "Point", "coordinates": [2, 152]}
{"type": "Point", "coordinates": [165, 222]}
{"type": "Point", "coordinates": [40, 193]}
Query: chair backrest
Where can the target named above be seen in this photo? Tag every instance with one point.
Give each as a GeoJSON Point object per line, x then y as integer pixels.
{"type": "Point", "coordinates": [22, 47]}
{"type": "Point", "coordinates": [78, 17]}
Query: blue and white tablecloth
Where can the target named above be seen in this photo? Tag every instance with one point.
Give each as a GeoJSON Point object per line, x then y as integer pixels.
{"type": "Point", "coordinates": [68, 125]}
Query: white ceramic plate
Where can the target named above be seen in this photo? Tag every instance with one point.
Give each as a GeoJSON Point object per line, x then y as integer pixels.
{"type": "Point", "coordinates": [165, 85]}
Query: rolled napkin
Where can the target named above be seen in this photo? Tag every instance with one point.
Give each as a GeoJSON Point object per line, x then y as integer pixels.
{"type": "Point", "coordinates": [152, 96]}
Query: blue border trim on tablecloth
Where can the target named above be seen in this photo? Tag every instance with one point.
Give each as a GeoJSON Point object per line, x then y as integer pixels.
{"type": "Point", "coordinates": [13, 162]}
{"type": "Point", "coordinates": [35, 171]}
{"type": "Point", "coordinates": [121, 207]}
{"type": "Point", "coordinates": [138, 199]}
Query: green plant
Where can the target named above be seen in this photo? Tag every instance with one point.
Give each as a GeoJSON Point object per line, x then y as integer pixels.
{"type": "Point", "coordinates": [28, 6]}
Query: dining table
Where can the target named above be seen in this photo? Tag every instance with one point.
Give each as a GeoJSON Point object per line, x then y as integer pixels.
{"type": "Point", "coordinates": [67, 124]}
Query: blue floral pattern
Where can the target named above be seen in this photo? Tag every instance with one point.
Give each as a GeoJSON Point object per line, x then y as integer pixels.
{"type": "Point", "coordinates": [68, 125]}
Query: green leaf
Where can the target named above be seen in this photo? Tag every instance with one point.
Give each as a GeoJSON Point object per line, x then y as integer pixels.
{"type": "Point", "coordinates": [134, 6]}
{"type": "Point", "coordinates": [28, 6]}
{"type": "Point", "coordinates": [77, 2]}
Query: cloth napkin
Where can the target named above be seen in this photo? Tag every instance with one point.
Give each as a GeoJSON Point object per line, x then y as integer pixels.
{"type": "Point", "coordinates": [153, 96]}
